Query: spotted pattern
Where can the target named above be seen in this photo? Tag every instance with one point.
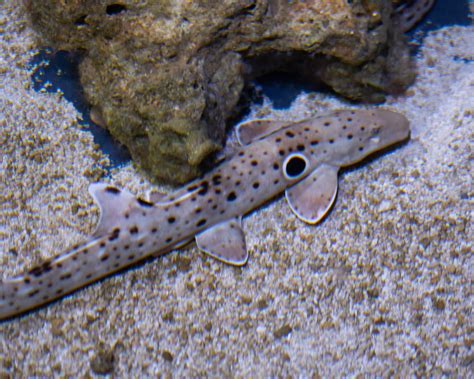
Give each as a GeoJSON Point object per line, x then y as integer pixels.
{"type": "Point", "coordinates": [134, 228]}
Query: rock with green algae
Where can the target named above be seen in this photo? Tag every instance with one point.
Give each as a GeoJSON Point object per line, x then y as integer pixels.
{"type": "Point", "coordinates": [164, 76]}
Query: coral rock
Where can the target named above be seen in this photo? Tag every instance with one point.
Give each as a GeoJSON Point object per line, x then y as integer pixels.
{"type": "Point", "coordinates": [164, 76]}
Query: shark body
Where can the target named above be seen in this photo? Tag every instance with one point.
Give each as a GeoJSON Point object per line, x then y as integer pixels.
{"type": "Point", "coordinates": [302, 159]}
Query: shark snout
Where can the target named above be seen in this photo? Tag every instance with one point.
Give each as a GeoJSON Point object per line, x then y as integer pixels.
{"type": "Point", "coordinates": [395, 127]}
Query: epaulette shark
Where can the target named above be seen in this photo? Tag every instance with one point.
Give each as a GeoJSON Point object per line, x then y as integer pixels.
{"type": "Point", "coordinates": [301, 159]}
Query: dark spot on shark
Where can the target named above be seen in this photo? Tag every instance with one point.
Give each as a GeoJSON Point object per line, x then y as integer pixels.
{"type": "Point", "coordinates": [112, 190]}
{"type": "Point", "coordinates": [300, 147]}
{"type": "Point", "coordinates": [331, 141]}
{"type": "Point", "coordinates": [204, 188]}
{"type": "Point", "coordinates": [102, 244]}
{"type": "Point", "coordinates": [40, 270]}
{"type": "Point", "coordinates": [131, 257]}
{"type": "Point", "coordinates": [350, 136]}
{"type": "Point", "coordinates": [33, 293]}
{"type": "Point", "coordinates": [171, 220]}
{"type": "Point", "coordinates": [65, 276]}
{"type": "Point", "coordinates": [232, 196]}
{"type": "Point", "coordinates": [27, 280]}
{"type": "Point", "coordinates": [144, 203]}
{"type": "Point", "coordinates": [254, 163]}
{"type": "Point", "coordinates": [115, 234]}
{"type": "Point", "coordinates": [276, 166]}
{"type": "Point", "coordinates": [256, 185]}
{"type": "Point", "coordinates": [314, 142]}
{"type": "Point", "coordinates": [104, 257]}
{"type": "Point", "coordinates": [216, 179]}
{"type": "Point", "coordinates": [201, 222]}
{"type": "Point", "coordinates": [134, 229]}
{"type": "Point", "coordinates": [327, 124]}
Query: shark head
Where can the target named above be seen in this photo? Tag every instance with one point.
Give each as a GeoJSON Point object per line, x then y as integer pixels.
{"type": "Point", "coordinates": [357, 135]}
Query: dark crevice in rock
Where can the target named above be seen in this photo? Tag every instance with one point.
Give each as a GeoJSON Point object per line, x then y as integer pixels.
{"type": "Point", "coordinates": [115, 9]}
{"type": "Point", "coordinates": [80, 21]}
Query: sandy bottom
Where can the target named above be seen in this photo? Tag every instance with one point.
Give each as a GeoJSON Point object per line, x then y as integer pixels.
{"type": "Point", "coordinates": [382, 287]}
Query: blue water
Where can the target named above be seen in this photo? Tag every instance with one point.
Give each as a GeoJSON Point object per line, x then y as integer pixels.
{"type": "Point", "coordinates": [443, 13]}
{"type": "Point", "coordinates": [61, 70]}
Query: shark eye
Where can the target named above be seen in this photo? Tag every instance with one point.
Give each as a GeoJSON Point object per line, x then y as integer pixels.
{"type": "Point", "coordinates": [295, 165]}
{"type": "Point", "coordinates": [375, 131]}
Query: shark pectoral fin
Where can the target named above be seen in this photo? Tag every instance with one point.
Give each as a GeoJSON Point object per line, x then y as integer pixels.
{"type": "Point", "coordinates": [225, 242]}
{"type": "Point", "coordinates": [252, 130]}
{"type": "Point", "coordinates": [113, 204]}
{"type": "Point", "coordinates": [312, 198]}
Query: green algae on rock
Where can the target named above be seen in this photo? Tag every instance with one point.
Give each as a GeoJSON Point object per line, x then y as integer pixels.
{"type": "Point", "coordinates": [165, 76]}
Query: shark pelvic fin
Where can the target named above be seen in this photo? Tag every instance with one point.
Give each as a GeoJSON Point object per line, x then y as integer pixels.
{"type": "Point", "coordinates": [225, 242]}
